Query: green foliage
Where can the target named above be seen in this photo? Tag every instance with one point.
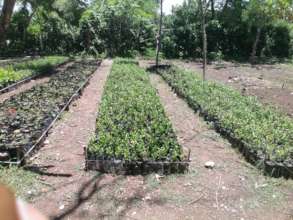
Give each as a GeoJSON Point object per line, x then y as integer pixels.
{"type": "Point", "coordinates": [263, 130]}
{"type": "Point", "coordinates": [44, 26]}
{"type": "Point", "coordinates": [41, 65]}
{"type": "Point", "coordinates": [20, 70]}
{"type": "Point", "coordinates": [118, 27]}
{"type": "Point", "coordinates": [8, 75]}
{"type": "Point", "coordinates": [128, 28]}
{"type": "Point", "coordinates": [231, 32]}
{"type": "Point", "coordinates": [23, 182]}
{"type": "Point", "coordinates": [132, 124]}
{"type": "Point", "coordinates": [278, 40]}
{"type": "Point", "coordinates": [120, 60]}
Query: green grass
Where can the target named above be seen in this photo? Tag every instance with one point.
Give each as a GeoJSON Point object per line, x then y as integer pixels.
{"type": "Point", "coordinates": [132, 124]}
{"type": "Point", "coordinates": [264, 131]}
{"type": "Point", "coordinates": [24, 183]}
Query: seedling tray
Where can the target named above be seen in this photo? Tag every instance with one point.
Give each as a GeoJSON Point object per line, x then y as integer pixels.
{"type": "Point", "coordinates": [122, 167]}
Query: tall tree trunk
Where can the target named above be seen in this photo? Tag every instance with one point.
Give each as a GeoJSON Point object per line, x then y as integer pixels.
{"type": "Point", "coordinates": [255, 45]}
{"type": "Point", "coordinates": [213, 9]}
{"type": "Point", "coordinates": [159, 34]}
{"type": "Point", "coordinates": [5, 17]}
{"type": "Point", "coordinates": [204, 37]}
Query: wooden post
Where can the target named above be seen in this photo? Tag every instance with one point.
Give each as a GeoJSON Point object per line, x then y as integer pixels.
{"type": "Point", "coordinates": [158, 37]}
{"type": "Point", "coordinates": [203, 5]}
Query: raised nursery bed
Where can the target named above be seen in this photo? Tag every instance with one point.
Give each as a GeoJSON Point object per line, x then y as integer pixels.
{"type": "Point", "coordinates": [19, 73]}
{"type": "Point", "coordinates": [261, 133]}
{"type": "Point", "coordinates": [26, 119]}
{"type": "Point", "coordinates": [5, 62]}
{"type": "Point", "coordinates": [133, 133]}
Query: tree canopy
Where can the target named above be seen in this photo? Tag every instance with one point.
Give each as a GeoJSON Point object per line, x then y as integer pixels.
{"type": "Point", "coordinates": [235, 28]}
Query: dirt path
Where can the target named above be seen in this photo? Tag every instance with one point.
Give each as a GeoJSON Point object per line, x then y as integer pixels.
{"type": "Point", "coordinates": [31, 84]}
{"type": "Point", "coordinates": [272, 84]}
{"type": "Point", "coordinates": [232, 190]}
{"type": "Point", "coordinates": [61, 162]}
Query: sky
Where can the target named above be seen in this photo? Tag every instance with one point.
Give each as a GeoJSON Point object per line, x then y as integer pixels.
{"type": "Point", "coordinates": [166, 3]}
{"type": "Point", "coordinates": [169, 3]}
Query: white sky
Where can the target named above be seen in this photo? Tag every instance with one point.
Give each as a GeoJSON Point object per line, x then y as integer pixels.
{"type": "Point", "coordinates": [169, 3]}
{"type": "Point", "coordinates": [166, 3]}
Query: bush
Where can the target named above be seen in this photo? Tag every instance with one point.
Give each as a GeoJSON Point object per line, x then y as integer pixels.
{"type": "Point", "coordinates": [132, 124]}
{"type": "Point", "coordinates": [263, 130]}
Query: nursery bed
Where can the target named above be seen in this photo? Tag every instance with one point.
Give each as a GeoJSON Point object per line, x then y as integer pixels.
{"type": "Point", "coordinates": [5, 62]}
{"type": "Point", "coordinates": [133, 134]}
{"type": "Point", "coordinates": [32, 68]}
{"type": "Point", "coordinates": [262, 134]}
{"type": "Point", "coordinates": [26, 124]}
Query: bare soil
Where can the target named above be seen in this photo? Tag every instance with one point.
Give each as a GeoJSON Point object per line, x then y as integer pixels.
{"type": "Point", "coordinates": [61, 162]}
{"type": "Point", "coordinates": [233, 189]}
{"type": "Point", "coordinates": [31, 84]}
{"type": "Point", "coordinates": [272, 84]}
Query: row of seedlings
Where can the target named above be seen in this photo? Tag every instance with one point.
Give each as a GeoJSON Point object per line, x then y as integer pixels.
{"type": "Point", "coordinates": [26, 118]}
{"type": "Point", "coordinates": [262, 133]}
{"type": "Point", "coordinates": [14, 74]}
{"type": "Point", "coordinates": [133, 133]}
{"type": "Point", "coordinates": [12, 61]}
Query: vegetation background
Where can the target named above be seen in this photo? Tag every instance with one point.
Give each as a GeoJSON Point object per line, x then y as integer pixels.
{"type": "Point", "coordinates": [236, 29]}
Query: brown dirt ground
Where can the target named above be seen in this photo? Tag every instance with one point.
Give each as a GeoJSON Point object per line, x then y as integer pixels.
{"type": "Point", "coordinates": [272, 84]}
{"type": "Point", "coordinates": [61, 162]}
{"type": "Point", "coordinates": [232, 190]}
{"type": "Point", "coordinates": [31, 84]}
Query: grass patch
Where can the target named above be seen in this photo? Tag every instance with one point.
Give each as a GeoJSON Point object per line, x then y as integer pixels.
{"type": "Point", "coordinates": [24, 183]}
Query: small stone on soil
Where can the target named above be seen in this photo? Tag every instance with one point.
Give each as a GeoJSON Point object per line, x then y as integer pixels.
{"type": "Point", "coordinates": [159, 177]}
{"type": "Point", "coordinates": [209, 165]}
{"type": "Point", "coordinates": [147, 198]}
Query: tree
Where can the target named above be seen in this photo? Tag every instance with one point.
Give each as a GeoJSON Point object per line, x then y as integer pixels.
{"type": "Point", "coordinates": [5, 17]}
{"type": "Point", "coordinates": [258, 16]}
{"type": "Point", "coordinates": [203, 6]}
{"type": "Point", "coordinates": [159, 34]}
{"type": "Point", "coordinates": [118, 27]}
